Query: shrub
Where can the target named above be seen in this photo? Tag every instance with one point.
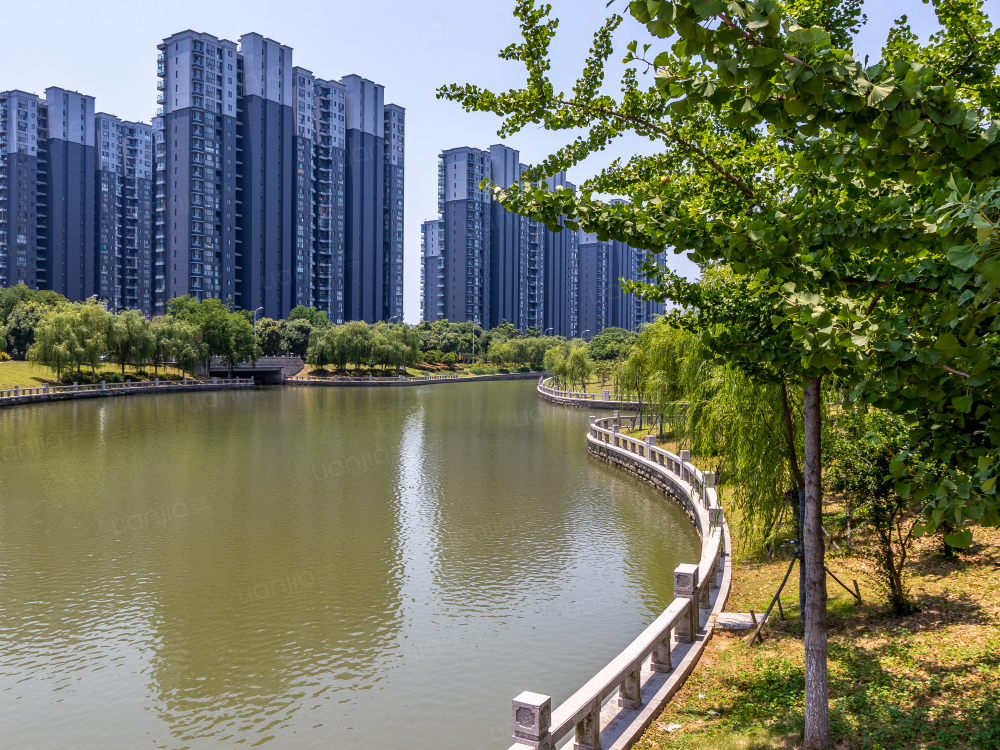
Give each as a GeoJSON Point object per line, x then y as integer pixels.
{"type": "Point", "coordinates": [4, 357]}
{"type": "Point", "coordinates": [450, 359]}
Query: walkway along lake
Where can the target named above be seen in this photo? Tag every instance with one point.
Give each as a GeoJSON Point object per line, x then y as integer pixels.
{"type": "Point", "coordinates": [313, 567]}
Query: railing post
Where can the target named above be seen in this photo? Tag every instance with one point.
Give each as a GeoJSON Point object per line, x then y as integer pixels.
{"type": "Point", "coordinates": [104, 386]}
{"type": "Point", "coordinates": [686, 587]}
{"type": "Point", "coordinates": [685, 458]}
{"type": "Point", "coordinates": [650, 442]}
{"type": "Point", "coordinates": [617, 417]}
{"type": "Point", "coordinates": [46, 387]}
{"type": "Point", "coordinates": [606, 396]}
{"type": "Point", "coordinates": [156, 382]}
{"type": "Point", "coordinates": [17, 390]}
{"type": "Point", "coordinates": [532, 717]}
{"type": "Point", "coordinates": [615, 439]}
{"type": "Point", "coordinates": [215, 381]}
{"type": "Point", "coordinates": [76, 386]}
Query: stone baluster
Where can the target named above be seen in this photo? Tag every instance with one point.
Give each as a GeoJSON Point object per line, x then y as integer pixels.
{"type": "Point", "coordinates": [104, 386]}
{"type": "Point", "coordinates": [532, 718]}
{"type": "Point", "coordinates": [606, 396]}
{"type": "Point", "coordinates": [661, 660]}
{"type": "Point", "coordinates": [686, 587]}
{"type": "Point", "coordinates": [630, 692]}
{"type": "Point", "coordinates": [46, 387]}
{"type": "Point", "coordinates": [685, 458]}
{"type": "Point", "coordinates": [156, 382]}
{"type": "Point", "coordinates": [615, 439]}
{"type": "Point", "coordinates": [588, 732]}
{"type": "Point", "coordinates": [617, 417]}
{"type": "Point", "coordinates": [650, 442]}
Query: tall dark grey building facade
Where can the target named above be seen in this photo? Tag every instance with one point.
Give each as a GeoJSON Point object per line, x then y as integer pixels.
{"type": "Point", "coordinates": [68, 173]}
{"type": "Point", "coordinates": [508, 258]}
{"type": "Point", "coordinates": [328, 198]}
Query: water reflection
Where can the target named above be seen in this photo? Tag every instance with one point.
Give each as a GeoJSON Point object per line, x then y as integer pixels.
{"type": "Point", "coordinates": [307, 567]}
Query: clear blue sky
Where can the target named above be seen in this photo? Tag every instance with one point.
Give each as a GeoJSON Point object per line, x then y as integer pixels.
{"type": "Point", "coordinates": [108, 50]}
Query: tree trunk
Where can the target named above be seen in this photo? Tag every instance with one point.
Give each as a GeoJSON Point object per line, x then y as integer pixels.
{"type": "Point", "coordinates": [793, 454]}
{"type": "Point", "coordinates": [817, 732]}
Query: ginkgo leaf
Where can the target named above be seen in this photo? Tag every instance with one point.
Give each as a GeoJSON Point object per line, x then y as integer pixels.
{"type": "Point", "coordinates": [881, 91]}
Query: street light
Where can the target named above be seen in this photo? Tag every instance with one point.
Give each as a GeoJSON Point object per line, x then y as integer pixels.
{"type": "Point", "coordinates": [392, 319]}
{"type": "Point", "coordinates": [255, 319]}
{"type": "Point", "coordinates": [546, 331]}
{"type": "Point", "coordinates": [582, 336]}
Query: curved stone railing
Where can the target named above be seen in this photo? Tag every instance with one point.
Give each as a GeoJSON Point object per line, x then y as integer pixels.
{"type": "Point", "coordinates": [17, 395]}
{"type": "Point", "coordinates": [654, 666]}
{"type": "Point", "coordinates": [579, 398]}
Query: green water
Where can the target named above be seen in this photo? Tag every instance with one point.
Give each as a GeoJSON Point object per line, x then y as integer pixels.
{"type": "Point", "coordinates": [313, 568]}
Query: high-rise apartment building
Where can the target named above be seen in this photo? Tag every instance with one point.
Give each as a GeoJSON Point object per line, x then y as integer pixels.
{"type": "Point", "coordinates": [432, 272]}
{"type": "Point", "coordinates": [508, 257]}
{"type": "Point", "coordinates": [68, 172]}
{"type": "Point", "coordinates": [328, 198]}
{"type": "Point", "coordinates": [241, 189]}
{"type": "Point", "coordinates": [274, 182]}
{"type": "Point", "coordinates": [199, 208]}
{"type": "Point", "coordinates": [603, 266]}
{"type": "Point", "coordinates": [490, 265]}
{"type": "Point", "coordinates": [465, 219]}
{"type": "Point", "coordinates": [123, 196]}
{"type": "Point", "coordinates": [23, 132]}
{"type": "Point", "coordinates": [392, 230]}
{"type": "Point", "coordinates": [483, 263]}
{"type": "Point", "coordinates": [560, 273]}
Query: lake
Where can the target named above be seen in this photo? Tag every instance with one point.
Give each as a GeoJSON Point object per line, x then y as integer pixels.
{"type": "Point", "coordinates": [299, 567]}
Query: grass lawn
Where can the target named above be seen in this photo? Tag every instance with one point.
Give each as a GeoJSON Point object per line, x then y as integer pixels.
{"type": "Point", "coordinates": [929, 680]}
{"type": "Point", "coordinates": [29, 375]}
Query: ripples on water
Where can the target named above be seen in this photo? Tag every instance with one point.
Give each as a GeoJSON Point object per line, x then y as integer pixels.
{"type": "Point", "coordinates": [313, 567]}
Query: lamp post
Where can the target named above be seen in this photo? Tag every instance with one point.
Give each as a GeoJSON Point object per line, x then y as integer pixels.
{"type": "Point", "coordinates": [392, 319]}
{"type": "Point", "coordinates": [255, 319]}
{"type": "Point", "coordinates": [582, 336]}
{"type": "Point", "coordinates": [547, 330]}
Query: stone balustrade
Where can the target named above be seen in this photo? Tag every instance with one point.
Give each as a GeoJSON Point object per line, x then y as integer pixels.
{"type": "Point", "coordinates": [579, 398]}
{"type": "Point", "coordinates": [651, 669]}
{"type": "Point", "coordinates": [47, 392]}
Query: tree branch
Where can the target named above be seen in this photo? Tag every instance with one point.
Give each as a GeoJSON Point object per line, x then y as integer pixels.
{"type": "Point", "coordinates": [744, 188]}
{"type": "Point", "coordinates": [953, 371]}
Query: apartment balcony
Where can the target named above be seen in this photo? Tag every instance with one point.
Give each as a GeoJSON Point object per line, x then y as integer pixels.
{"type": "Point", "coordinates": [161, 98]}
{"type": "Point", "coordinates": [161, 85]}
{"type": "Point", "coordinates": [161, 70]}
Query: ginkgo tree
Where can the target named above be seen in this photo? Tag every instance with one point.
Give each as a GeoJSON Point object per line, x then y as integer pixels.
{"type": "Point", "coordinates": [859, 203]}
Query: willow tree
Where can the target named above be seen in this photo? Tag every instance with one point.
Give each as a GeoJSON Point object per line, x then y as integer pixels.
{"type": "Point", "coordinates": [55, 341]}
{"type": "Point", "coordinates": [859, 203]}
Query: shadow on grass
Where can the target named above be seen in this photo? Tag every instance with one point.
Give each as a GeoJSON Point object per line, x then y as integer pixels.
{"type": "Point", "coordinates": [905, 693]}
